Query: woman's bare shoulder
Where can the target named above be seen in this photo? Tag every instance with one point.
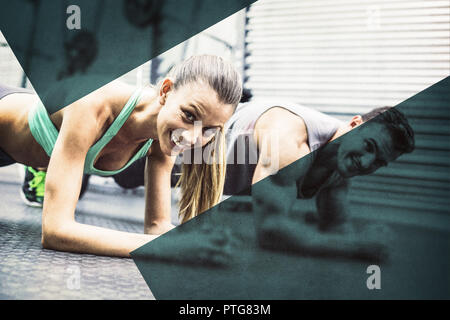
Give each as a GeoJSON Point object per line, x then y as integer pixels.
{"type": "Point", "coordinates": [116, 92]}
{"type": "Point", "coordinates": [102, 104]}
{"type": "Point", "coordinates": [95, 111]}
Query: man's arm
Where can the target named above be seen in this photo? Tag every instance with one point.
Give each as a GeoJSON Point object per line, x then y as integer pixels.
{"type": "Point", "coordinates": [281, 138]}
{"type": "Point", "coordinates": [332, 206]}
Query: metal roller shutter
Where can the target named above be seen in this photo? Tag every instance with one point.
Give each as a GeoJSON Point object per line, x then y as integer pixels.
{"type": "Point", "coordinates": [347, 57]}
{"type": "Point", "coordinates": [10, 70]}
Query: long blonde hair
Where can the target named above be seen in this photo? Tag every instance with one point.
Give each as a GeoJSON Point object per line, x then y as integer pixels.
{"type": "Point", "coordinates": [202, 184]}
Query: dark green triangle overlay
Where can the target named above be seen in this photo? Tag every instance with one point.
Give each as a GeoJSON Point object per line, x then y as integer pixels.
{"type": "Point", "coordinates": [116, 36]}
{"type": "Point", "coordinates": [417, 267]}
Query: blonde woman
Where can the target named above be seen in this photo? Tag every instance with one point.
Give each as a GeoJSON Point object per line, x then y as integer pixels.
{"type": "Point", "coordinates": [105, 131]}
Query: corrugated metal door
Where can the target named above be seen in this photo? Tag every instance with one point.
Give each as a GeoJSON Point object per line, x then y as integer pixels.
{"type": "Point", "coordinates": [347, 57]}
{"type": "Point", "coordinates": [10, 70]}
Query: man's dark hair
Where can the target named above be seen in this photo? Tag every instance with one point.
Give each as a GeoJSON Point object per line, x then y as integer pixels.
{"type": "Point", "coordinates": [246, 95]}
{"type": "Point", "coordinates": [373, 113]}
{"type": "Point", "coordinates": [397, 124]}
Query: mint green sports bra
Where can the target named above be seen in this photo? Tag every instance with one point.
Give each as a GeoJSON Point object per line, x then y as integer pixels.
{"type": "Point", "coordinates": [45, 133]}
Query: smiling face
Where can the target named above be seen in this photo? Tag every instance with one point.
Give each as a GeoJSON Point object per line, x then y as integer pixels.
{"type": "Point", "coordinates": [364, 151]}
{"type": "Point", "coordinates": [190, 116]}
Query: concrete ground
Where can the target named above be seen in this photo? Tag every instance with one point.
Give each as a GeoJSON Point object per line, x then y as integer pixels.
{"type": "Point", "coordinates": [29, 272]}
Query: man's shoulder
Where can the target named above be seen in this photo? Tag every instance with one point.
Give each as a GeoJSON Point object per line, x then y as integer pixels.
{"type": "Point", "coordinates": [281, 119]}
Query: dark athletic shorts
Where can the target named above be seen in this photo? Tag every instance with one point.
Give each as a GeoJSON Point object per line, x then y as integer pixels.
{"type": "Point", "coordinates": [5, 159]}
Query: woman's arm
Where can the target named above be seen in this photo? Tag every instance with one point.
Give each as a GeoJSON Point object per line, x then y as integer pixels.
{"type": "Point", "coordinates": [60, 231]}
{"type": "Point", "coordinates": [158, 169]}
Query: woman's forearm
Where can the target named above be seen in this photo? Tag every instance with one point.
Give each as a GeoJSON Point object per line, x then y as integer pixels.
{"type": "Point", "coordinates": [158, 195]}
{"type": "Point", "coordinates": [82, 238]}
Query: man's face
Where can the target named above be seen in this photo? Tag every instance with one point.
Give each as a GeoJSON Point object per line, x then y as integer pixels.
{"type": "Point", "coordinates": [366, 149]}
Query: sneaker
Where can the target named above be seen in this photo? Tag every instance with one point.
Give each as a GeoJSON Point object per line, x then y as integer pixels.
{"type": "Point", "coordinates": [33, 187]}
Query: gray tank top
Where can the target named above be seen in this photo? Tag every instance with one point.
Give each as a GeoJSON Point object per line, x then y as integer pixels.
{"type": "Point", "coordinates": [242, 154]}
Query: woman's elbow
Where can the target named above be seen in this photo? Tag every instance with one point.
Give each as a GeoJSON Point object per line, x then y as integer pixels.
{"type": "Point", "coordinates": [55, 236]}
